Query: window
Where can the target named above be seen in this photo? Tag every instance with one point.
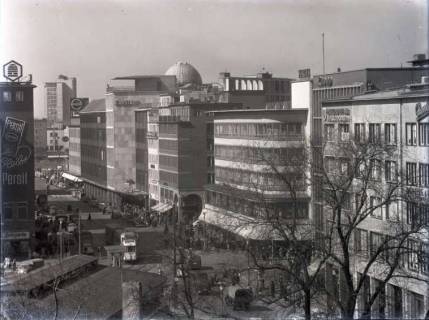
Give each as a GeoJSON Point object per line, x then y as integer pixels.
{"type": "Point", "coordinates": [7, 96]}
{"type": "Point", "coordinates": [374, 132]}
{"type": "Point", "coordinates": [98, 119]}
{"type": "Point", "coordinates": [329, 132]}
{"type": "Point", "coordinates": [375, 207]}
{"type": "Point", "coordinates": [424, 134]}
{"type": "Point", "coordinates": [19, 96]}
{"type": "Point", "coordinates": [411, 134]}
{"type": "Point", "coordinates": [360, 132]}
{"type": "Point", "coordinates": [390, 170]}
{"type": "Point", "coordinates": [343, 130]}
{"type": "Point", "coordinates": [424, 174]}
{"type": "Point", "coordinates": [413, 255]}
{"type": "Point", "coordinates": [361, 242]}
{"type": "Point", "coordinates": [411, 173]}
{"type": "Point", "coordinates": [375, 169]}
{"type": "Point", "coordinates": [390, 133]}
{"type": "Point", "coordinates": [412, 211]}
{"type": "Point", "coordinates": [376, 242]}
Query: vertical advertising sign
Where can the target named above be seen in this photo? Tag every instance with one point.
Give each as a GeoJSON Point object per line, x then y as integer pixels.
{"type": "Point", "coordinates": [17, 167]}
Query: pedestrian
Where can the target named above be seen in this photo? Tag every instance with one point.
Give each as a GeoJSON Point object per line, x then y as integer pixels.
{"type": "Point", "coordinates": [89, 217]}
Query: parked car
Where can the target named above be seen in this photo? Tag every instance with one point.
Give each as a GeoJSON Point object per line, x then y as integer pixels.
{"type": "Point", "coordinates": [240, 298]}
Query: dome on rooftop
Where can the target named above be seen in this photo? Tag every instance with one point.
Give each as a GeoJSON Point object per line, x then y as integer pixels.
{"type": "Point", "coordinates": [185, 74]}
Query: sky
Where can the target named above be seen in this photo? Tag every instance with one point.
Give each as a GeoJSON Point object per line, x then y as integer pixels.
{"type": "Point", "coordinates": [96, 40]}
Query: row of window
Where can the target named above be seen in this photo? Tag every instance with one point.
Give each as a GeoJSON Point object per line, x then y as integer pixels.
{"type": "Point", "coordinates": [258, 155]}
{"type": "Point", "coordinates": [8, 96]}
{"type": "Point", "coordinates": [260, 180]}
{"type": "Point", "coordinates": [371, 243]}
{"type": "Point", "coordinates": [266, 130]}
{"type": "Point", "coordinates": [374, 133]}
{"type": "Point", "coordinates": [420, 177]}
{"type": "Point", "coordinates": [417, 213]}
{"type": "Point", "coordinates": [298, 210]}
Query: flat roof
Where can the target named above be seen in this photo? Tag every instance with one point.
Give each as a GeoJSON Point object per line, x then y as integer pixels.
{"type": "Point", "coordinates": [382, 95]}
{"type": "Point", "coordinates": [375, 69]}
{"type": "Point", "coordinates": [259, 110]}
{"type": "Point", "coordinates": [148, 76]}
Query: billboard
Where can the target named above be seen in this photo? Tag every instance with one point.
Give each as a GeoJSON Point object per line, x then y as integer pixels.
{"type": "Point", "coordinates": [17, 169]}
{"type": "Point", "coordinates": [76, 106]}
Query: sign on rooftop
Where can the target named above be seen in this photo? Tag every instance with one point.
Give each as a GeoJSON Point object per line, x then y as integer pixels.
{"type": "Point", "coordinates": [12, 70]}
{"type": "Point", "coordinates": [76, 105]}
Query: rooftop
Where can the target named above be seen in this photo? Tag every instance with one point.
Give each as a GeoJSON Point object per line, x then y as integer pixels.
{"type": "Point", "coordinates": [97, 105]}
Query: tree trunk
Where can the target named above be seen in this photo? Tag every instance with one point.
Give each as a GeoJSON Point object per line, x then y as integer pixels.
{"type": "Point", "coordinates": [349, 309]}
{"type": "Point", "coordinates": [307, 304]}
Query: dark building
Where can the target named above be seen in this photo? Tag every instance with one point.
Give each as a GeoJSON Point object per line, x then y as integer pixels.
{"type": "Point", "coordinates": [93, 146]}
{"type": "Point", "coordinates": [17, 165]}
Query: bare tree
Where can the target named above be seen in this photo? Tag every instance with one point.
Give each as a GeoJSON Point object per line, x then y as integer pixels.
{"type": "Point", "coordinates": [355, 193]}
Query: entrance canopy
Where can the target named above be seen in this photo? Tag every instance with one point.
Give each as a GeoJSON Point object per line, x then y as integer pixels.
{"type": "Point", "coordinates": [244, 226]}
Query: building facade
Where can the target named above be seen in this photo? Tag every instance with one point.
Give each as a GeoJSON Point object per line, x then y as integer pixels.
{"type": "Point", "coordinates": [17, 194]}
{"type": "Point", "coordinates": [257, 91]}
{"type": "Point", "coordinates": [398, 119]}
{"type": "Point", "coordinates": [255, 151]}
{"type": "Point", "coordinates": [40, 141]}
{"type": "Point", "coordinates": [57, 101]}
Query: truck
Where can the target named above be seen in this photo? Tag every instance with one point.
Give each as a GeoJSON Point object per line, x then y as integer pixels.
{"type": "Point", "coordinates": [129, 242]}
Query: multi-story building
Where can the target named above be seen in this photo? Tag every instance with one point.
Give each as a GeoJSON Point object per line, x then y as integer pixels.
{"type": "Point", "coordinates": [255, 151]}
{"type": "Point", "coordinates": [398, 119]}
{"type": "Point", "coordinates": [17, 195]}
{"type": "Point", "coordinates": [93, 149]}
{"type": "Point", "coordinates": [57, 100]}
{"type": "Point", "coordinates": [40, 141]}
{"type": "Point", "coordinates": [183, 165]}
{"type": "Point", "coordinates": [257, 91]}
{"type": "Point", "coordinates": [310, 93]}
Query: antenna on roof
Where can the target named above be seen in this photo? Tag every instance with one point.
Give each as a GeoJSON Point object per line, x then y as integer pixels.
{"type": "Point", "coordinates": [323, 51]}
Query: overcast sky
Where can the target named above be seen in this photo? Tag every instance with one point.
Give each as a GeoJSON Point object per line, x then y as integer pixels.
{"type": "Point", "coordinates": [98, 40]}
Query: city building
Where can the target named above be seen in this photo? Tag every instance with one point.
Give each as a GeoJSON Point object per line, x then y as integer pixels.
{"type": "Point", "coordinates": [256, 92]}
{"type": "Point", "coordinates": [40, 141]}
{"type": "Point", "coordinates": [398, 119]}
{"type": "Point", "coordinates": [57, 101]}
{"type": "Point", "coordinates": [183, 155]}
{"type": "Point", "coordinates": [311, 92]}
{"type": "Point", "coordinates": [17, 195]}
{"type": "Point", "coordinates": [255, 152]}
{"type": "Point", "coordinates": [93, 149]}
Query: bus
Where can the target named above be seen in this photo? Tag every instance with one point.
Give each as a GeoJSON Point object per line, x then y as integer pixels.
{"type": "Point", "coordinates": [129, 242]}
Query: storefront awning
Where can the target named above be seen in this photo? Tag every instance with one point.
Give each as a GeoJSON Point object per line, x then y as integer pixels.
{"type": "Point", "coordinates": [71, 177]}
{"type": "Point", "coordinates": [239, 224]}
{"type": "Point", "coordinates": [162, 207]}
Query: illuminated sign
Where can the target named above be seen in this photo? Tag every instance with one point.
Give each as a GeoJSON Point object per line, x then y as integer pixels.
{"type": "Point", "coordinates": [12, 70]}
{"type": "Point", "coordinates": [337, 115]}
